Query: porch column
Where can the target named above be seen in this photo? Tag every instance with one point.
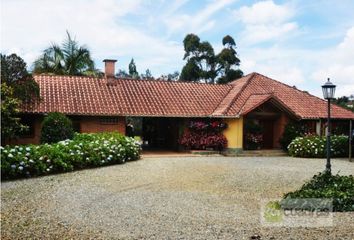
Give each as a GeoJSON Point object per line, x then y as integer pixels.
{"type": "Point", "coordinates": [318, 128]}
{"type": "Point", "coordinates": [234, 135]}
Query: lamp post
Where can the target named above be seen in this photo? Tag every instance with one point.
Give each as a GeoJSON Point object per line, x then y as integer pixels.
{"type": "Point", "coordinates": [328, 93]}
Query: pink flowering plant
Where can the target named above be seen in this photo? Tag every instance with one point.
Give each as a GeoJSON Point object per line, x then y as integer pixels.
{"type": "Point", "coordinates": [203, 134]}
{"type": "Point", "coordinates": [205, 125]}
{"type": "Point", "coordinates": [253, 135]}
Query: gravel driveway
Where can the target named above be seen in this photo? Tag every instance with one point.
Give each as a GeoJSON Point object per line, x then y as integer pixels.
{"type": "Point", "coordinates": [164, 198]}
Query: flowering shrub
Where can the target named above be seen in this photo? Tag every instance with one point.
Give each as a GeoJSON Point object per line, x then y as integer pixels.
{"type": "Point", "coordinates": [214, 126]}
{"type": "Point", "coordinates": [315, 146]}
{"type": "Point", "coordinates": [195, 140]}
{"type": "Point", "coordinates": [253, 135]}
{"type": "Point", "coordinates": [253, 140]}
{"type": "Point", "coordinates": [83, 151]}
{"type": "Point", "coordinates": [292, 130]}
{"type": "Point", "coordinates": [203, 134]}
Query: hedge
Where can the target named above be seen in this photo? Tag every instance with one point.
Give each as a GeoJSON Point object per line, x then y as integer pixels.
{"type": "Point", "coordinates": [83, 151]}
{"type": "Point", "coordinates": [56, 127]}
{"type": "Point", "coordinates": [315, 146]}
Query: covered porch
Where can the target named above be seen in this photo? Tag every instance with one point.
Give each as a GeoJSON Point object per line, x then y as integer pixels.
{"type": "Point", "coordinates": [157, 134]}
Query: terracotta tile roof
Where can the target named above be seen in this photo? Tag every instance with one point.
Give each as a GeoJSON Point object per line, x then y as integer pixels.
{"type": "Point", "coordinates": [126, 97]}
{"type": "Point", "coordinates": [235, 91]}
{"type": "Point", "coordinates": [302, 104]}
{"type": "Point", "coordinates": [92, 96]}
{"type": "Point", "coordinates": [254, 101]}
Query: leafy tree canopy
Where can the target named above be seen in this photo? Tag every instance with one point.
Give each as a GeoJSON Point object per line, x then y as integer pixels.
{"type": "Point", "coordinates": [203, 65]}
{"type": "Point", "coordinates": [69, 58]}
{"type": "Point", "coordinates": [16, 76]}
{"type": "Point", "coordinates": [10, 122]}
{"type": "Point", "coordinates": [122, 74]}
{"type": "Point", "coordinates": [346, 102]}
{"type": "Point", "coordinates": [170, 77]}
{"type": "Point", "coordinates": [147, 75]}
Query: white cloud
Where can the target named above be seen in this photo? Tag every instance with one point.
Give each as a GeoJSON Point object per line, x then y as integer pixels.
{"type": "Point", "coordinates": [338, 64]}
{"type": "Point", "coordinates": [196, 23]}
{"type": "Point", "coordinates": [307, 69]}
{"type": "Point", "coordinates": [264, 21]}
{"type": "Point", "coordinates": [266, 12]}
{"type": "Point", "coordinates": [28, 27]}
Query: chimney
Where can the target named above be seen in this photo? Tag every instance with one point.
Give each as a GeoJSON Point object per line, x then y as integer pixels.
{"type": "Point", "coordinates": [109, 68]}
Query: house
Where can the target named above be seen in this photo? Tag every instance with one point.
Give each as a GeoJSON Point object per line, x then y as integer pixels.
{"type": "Point", "coordinates": [159, 110]}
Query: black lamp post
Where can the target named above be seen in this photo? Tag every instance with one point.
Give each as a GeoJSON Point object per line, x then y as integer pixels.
{"type": "Point", "coordinates": [328, 93]}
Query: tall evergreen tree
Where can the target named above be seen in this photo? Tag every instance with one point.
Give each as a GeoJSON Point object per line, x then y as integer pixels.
{"type": "Point", "coordinates": [200, 58]}
{"type": "Point", "coordinates": [203, 65]}
{"type": "Point", "coordinates": [228, 62]}
{"type": "Point", "coordinates": [132, 70]}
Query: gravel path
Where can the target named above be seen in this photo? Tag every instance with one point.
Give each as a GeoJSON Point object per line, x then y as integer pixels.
{"type": "Point", "coordinates": [164, 198]}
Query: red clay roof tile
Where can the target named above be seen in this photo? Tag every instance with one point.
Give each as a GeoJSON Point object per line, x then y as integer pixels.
{"type": "Point", "coordinates": [75, 95]}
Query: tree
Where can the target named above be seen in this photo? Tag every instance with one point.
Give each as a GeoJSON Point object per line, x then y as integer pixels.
{"type": "Point", "coordinates": [69, 58]}
{"type": "Point", "coordinates": [228, 61]}
{"type": "Point", "coordinates": [10, 105]}
{"type": "Point", "coordinates": [345, 102]}
{"type": "Point", "coordinates": [200, 58]}
{"type": "Point", "coordinates": [170, 77]}
{"type": "Point", "coordinates": [56, 127]}
{"type": "Point", "coordinates": [147, 75]}
{"type": "Point", "coordinates": [122, 74]}
{"type": "Point", "coordinates": [16, 76]}
{"type": "Point", "coordinates": [132, 70]}
{"type": "Point", "coordinates": [17, 86]}
{"type": "Point", "coordinates": [203, 65]}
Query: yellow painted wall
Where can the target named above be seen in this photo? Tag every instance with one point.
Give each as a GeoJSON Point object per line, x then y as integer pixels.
{"type": "Point", "coordinates": [234, 132]}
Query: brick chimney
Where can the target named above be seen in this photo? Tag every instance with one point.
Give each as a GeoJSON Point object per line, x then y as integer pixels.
{"type": "Point", "coordinates": [109, 67]}
{"type": "Point", "coordinates": [109, 71]}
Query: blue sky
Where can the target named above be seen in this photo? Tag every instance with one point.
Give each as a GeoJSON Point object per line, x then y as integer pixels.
{"type": "Point", "coordinates": [297, 42]}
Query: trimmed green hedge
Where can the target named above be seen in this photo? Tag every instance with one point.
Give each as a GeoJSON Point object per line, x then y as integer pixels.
{"type": "Point", "coordinates": [315, 146]}
{"type": "Point", "coordinates": [56, 127]}
{"type": "Point", "coordinates": [83, 151]}
{"type": "Point", "coordinates": [327, 186]}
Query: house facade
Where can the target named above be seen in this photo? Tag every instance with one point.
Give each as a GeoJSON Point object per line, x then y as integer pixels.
{"type": "Point", "coordinates": [161, 110]}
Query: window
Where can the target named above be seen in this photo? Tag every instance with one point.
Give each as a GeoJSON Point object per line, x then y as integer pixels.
{"type": "Point", "coordinates": [109, 120]}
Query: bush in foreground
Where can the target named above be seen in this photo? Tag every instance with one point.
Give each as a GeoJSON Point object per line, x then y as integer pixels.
{"type": "Point", "coordinates": [83, 151]}
{"type": "Point", "coordinates": [315, 146]}
{"type": "Point", "coordinates": [327, 186]}
{"type": "Point", "coordinates": [56, 127]}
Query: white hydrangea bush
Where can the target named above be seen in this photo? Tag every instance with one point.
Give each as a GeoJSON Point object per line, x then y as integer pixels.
{"type": "Point", "coordinates": [85, 150]}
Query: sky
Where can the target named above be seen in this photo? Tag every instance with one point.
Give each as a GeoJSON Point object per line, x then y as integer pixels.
{"type": "Point", "coordinates": [298, 42]}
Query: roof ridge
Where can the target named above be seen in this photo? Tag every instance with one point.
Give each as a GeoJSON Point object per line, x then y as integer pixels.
{"type": "Point", "coordinates": [222, 99]}
{"type": "Point", "coordinates": [70, 76]}
{"type": "Point", "coordinates": [240, 92]}
{"type": "Point", "coordinates": [277, 81]}
{"type": "Point", "coordinates": [129, 79]}
{"type": "Point", "coordinates": [266, 99]}
{"type": "Point", "coordinates": [301, 91]}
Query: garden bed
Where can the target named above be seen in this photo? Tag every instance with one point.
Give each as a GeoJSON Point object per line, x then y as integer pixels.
{"type": "Point", "coordinates": [83, 151]}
